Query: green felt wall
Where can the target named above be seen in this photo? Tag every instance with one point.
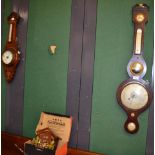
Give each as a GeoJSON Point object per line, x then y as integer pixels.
{"type": "Point", "coordinates": [46, 74]}
{"type": "Point", "coordinates": [4, 34]}
{"type": "Point", "coordinates": [113, 51]}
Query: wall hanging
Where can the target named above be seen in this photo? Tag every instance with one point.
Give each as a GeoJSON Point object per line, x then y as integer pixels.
{"type": "Point", "coordinates": [135, 94]}
{"type": "Point", "coordinates": [11, 54]}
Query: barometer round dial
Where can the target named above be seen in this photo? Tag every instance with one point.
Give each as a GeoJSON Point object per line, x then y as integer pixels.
{"type": "Point", "coordinates": [134, 96]}
{"type": "Point", "coordinates": [7, 57]}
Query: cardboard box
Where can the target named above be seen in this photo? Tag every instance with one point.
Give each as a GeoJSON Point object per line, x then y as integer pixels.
{"type": "Point", "coordinates": [60, 125]}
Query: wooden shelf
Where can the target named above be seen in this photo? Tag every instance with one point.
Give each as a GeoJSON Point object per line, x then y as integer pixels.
{"type": "Point", "coordinates": [11, 145]}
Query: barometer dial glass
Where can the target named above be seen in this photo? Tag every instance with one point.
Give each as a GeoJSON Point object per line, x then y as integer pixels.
{"type": "Point", "coordinates": [134, 96]}
{"type": "Point", "coordinates": [7, 57]}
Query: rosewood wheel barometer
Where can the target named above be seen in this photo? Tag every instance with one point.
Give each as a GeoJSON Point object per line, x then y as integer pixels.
{"type": "Point", "coordinates": [134, 95]}
{"type": "Point", "coordinates": [11, 54]}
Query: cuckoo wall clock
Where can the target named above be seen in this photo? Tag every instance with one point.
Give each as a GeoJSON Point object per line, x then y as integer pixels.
{"type": "Point", "coordinates": [11, 54]}
{"type": "Point", "coordinates": [135, 94]}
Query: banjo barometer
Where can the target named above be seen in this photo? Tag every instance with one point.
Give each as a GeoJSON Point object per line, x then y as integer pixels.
{"type": "Point", "coordinates": [11, 54]}
{"type": "Point", "coordinates": [135, 94]}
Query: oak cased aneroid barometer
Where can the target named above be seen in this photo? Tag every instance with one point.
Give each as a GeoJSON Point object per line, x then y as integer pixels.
{"type": "Point", "coordinates": [11, 54]}
{"type": "Point", "coordinates": [135, 94]}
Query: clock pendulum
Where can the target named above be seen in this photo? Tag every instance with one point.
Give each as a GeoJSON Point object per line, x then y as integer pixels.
{"type": "Point", "coordinates": [134, 95]}
{"type": "Point", "coordinates": [11, 54]}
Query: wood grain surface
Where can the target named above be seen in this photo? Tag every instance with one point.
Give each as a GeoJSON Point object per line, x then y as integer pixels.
{"type": "Point", "coordinates": [14, 145]}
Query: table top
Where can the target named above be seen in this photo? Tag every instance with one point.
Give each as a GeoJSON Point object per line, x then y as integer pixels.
{"type": "Point", "coordinates": [14, 145]}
